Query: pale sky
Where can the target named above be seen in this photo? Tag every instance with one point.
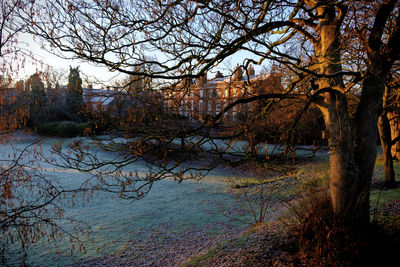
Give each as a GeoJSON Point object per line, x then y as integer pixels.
{"type": "Point", "coordinates": [97, 75]}
{"type": "Point", "coordinates": [46, 59]}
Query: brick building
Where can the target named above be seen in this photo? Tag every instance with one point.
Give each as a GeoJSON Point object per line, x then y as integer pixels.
{"type": "Point", "coordinates": [204, 97]}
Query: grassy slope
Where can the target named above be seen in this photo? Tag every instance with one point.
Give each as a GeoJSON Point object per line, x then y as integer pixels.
{"type": "Point", "coordinates": [380, 195]}
{"type": "Point", "coordinates": [264, 245]}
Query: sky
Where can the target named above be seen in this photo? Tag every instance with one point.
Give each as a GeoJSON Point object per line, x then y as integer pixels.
{"type": "Point", "coordinates": [95, 74]}
{"type": "Point", "coordinates": [99, 76]}
{"type": "Point", "coordinates": [45, 59]}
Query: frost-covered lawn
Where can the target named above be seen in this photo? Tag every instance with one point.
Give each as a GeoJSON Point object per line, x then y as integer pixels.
{"type": "Point", "coordinates": [171, 224]}
{"type": "Point", "coordinates": [114, 223]}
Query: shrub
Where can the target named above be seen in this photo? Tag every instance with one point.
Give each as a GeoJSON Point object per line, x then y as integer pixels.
{"type": "Point", "coordinates": [256, 195]}
{"type": "Point", "coordinates": [61, 128]}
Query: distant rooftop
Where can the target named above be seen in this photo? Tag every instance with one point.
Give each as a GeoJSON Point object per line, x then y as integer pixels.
{"type": "Point", "coordinates": [229, 79]}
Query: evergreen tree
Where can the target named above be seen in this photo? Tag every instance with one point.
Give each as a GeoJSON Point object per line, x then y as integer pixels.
{"type": "Point", "coordinates": [38, 97]}
{"type": "Point", "coordinates": [74, 98]}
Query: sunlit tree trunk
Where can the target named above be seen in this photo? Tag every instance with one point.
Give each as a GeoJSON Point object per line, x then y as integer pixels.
{"type": "Point", "coordinates": [394, 120]}
{"type": "Point", "coordinates": [353, 145]}
{"type": "Point", "coordinates": [385, 136]}
{"type": "Point", "coordinates": [386, 141]}
{"type": "Point", "coordinates": [343, 170]}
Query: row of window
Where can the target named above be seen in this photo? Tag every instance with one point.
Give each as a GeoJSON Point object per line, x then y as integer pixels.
{"type": "Point", "coordinates": [190, 105]}
{"type": "Point", "coordinates": [215, 92]}
{"type": "Point", "coordinates": [187, 108]}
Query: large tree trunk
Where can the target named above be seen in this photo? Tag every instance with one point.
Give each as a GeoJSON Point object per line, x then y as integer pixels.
{"type": "Point", "coordinates": [343, 169]}
{"type": "Point", "coordinates": [394, 120]}
{"type": "Point", "coordinates": [366, 134]}
{"type": "Point", "coordinates": [386, 140]}
{"type": "Point", "coordinates": [381, 57]}
{"type": "Point", "coordinates": [353, 146]}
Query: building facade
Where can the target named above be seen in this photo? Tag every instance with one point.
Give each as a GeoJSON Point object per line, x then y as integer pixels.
{"type": "Point", "coordinates": [208, 97]}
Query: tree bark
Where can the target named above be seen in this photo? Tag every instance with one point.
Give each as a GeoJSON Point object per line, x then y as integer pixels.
{"type": "Point", "coordinates": [343, 170]}
{"type": "Point", "coordinates": [353, 145]}
{"type": "Point", "coordinates": [394, 120]}
{"type": "Point", "coordinates": [366, 134]}
{"type": "Point", "coordinates": [380, 58]}
{"type": "Point", "coordinates": [386, 138]}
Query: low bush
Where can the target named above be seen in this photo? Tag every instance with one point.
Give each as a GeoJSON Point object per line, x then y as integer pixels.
{"type": "Point", "coordinates": [61, 128]}
{"type": "Point", "coordinates": [325, 239]}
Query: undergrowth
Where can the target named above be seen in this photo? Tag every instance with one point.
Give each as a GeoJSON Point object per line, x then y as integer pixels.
{"type": "Point", "coordinates": [325, 239]}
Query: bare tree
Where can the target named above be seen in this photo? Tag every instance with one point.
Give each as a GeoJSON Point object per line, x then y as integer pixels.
{"type": "Point", "coordinates": [30, 205]}
{"type": "Point", "coordinates": [191, 37]}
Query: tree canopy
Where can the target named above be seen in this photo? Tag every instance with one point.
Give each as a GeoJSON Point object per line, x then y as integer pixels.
{"type": "Point", "coordinates": [74, 97]}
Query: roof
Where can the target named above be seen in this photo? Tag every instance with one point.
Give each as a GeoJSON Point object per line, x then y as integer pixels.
{"type": "Point", "coordinates": [105, 100]}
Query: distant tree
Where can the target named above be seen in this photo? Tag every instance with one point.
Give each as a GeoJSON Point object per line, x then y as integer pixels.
{"type": "Point", "coordinates": [394, 115]}
{"type": "Point", "coordinates": [56, 104]}
{"type": "Point", "coordinates": [385, 136]}
{"type": "Point", "coordinates": [389, 126]}
{"type": "Point", "coordinates": [36, 86]}
{"type": "Point", "coordinates": [20, 86]}
{"type": "Point", "coordinates": [74, 97]}
{"type": "Point", "coordinates": [38, 98]}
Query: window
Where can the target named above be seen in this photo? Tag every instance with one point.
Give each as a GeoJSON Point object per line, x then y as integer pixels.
{"type": "Point", "coordinates": [201, 92]}
{"type": "Point", "coordinates": [234, 116]}
{"type": "Point", "coordinates": [215, 93]}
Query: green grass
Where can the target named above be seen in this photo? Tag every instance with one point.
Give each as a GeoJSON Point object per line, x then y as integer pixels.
{"type": "Point", "coordinates": [197, 260]}
{"type": "Point", "coordinates": [381, 197]}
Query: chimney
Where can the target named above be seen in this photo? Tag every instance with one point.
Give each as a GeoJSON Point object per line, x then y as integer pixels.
{"type": "Point", "coordinates": [251, 71]}
{"type": "Point", "coordinates": [203, 79]}
{"type": "Point", "coordinates": [218, 75]}
{"type": "Point", "coordinates": [238, 75]}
